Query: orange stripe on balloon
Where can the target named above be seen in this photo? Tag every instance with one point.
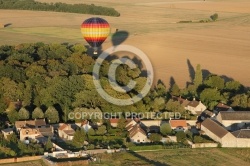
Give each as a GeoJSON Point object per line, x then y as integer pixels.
{"type": "Point", "coordinates": [95, 26]}
{"type": "Point", "coordinates": [95, 29]}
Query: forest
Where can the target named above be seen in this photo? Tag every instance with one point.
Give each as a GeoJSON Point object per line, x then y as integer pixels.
{"type": "Point", "coordinates": [51, 80]}
{"type": "Point", "coordinates": [58, 7]}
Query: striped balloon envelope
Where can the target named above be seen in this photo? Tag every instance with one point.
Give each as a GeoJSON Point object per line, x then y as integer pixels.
{"type": "Point", "coordinates": [95, 30]}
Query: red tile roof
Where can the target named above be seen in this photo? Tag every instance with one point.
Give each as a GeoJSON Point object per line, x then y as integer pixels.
{"type": "Point", "coordinates": [176, 123]}
{"type": "Point", "coordinates": [114, 120]}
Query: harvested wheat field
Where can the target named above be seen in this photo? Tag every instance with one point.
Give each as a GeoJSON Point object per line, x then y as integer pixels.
{"type": "Point", "coordinates": [221, 47]}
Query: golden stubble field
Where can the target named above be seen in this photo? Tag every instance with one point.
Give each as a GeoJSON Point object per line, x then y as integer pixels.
{"type": "Point", "coordinates": [221, 47]}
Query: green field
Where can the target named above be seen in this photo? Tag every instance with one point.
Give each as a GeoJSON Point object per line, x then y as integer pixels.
{"type": "Point", "coordinates": [185, 157]}
{"type": "Point", "coordinates": [207, 157]}
{"type": "Point", "coordinates": [30, 163]}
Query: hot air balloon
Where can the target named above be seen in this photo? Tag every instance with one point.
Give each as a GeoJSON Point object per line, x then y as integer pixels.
{"type": "Point", "coordinates": [95, 30]}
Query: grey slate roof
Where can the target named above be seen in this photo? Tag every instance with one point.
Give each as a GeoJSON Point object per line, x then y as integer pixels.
{"type": "Point", "coordinates": [237, 115]}
{"type": "Point", "coordinates": [243, 133]}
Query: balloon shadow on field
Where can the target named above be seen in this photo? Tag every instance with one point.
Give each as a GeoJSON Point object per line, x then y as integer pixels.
{"type": "Point", "coordinates": [119, 37]}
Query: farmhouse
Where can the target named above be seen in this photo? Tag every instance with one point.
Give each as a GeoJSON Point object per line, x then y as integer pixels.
{"type": "Point", "coordinates": [37, 123]}
{"type": "Point", "coordinates": [234, 120]}
{"type": "Point", "coordinates": [137, 134]}
{"type": "Point", "coordinates": [218, 133]}
{"type": "Point", "coordinates": [39, 134]}
{"type": "Point", "coordinates": [195, 107]}
{"type": "Point", "coordinates": [65, 131]}
{"type": "Point", "coordinates": [27, 134]}
{"type": "Point", "coordinates": [7, 132]}
{"type": "Point", "coordinates": [84, 125]}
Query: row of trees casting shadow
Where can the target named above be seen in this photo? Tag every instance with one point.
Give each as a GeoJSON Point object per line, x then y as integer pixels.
{"type": "Point", "coordinates": [215, 88]}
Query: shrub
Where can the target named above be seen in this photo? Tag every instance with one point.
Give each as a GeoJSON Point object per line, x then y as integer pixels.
{"type": "Point", "coordinates": [214, 17]}
{"type": "Point", "coordinates": [181, 136]}
{"type": "Point", "coordinates": [185, 21]}
{"type": "Point", "coordinates": [91, 147]}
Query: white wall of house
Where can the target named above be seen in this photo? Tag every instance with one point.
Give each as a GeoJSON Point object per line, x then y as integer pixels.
{"type": "Point", "coordinates": [149, 123]}
{"type": "Point", "coordinates": [114, 124]}
{"type": "Point", "coordinates": [30, 136]}
{"type": "Point", "coordinates": [70, 137]}
{"type": "Point", "coordinates": [228, 140]}
{"type": "Point", "coordinates": [63, 135]}
{"type": "Point", "coordinates": [139, 137]}
{"type": "Point", "coordinates": [243, 142]}
{"type": "Point", "coordinates": [191, 122]}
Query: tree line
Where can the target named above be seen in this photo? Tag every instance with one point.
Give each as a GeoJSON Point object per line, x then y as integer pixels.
{"type": "Point", "coordinates": [57, 78]}
{"type": "Point", "coordinates": [58, 7]}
